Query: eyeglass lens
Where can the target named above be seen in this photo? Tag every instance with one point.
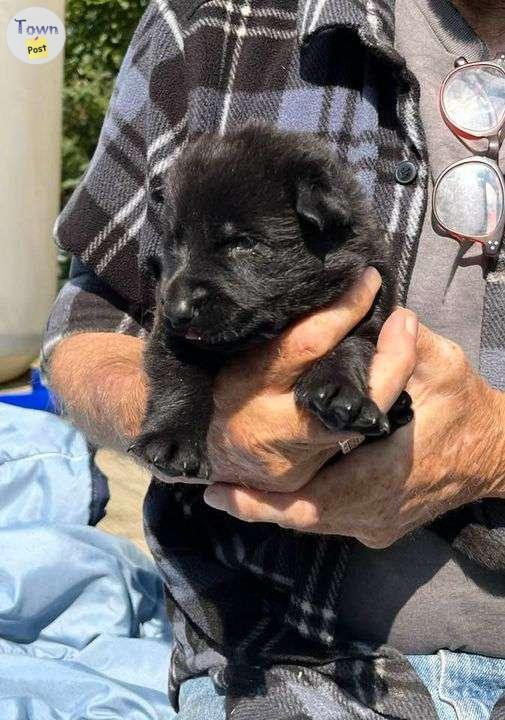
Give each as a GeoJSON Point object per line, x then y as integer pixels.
{"type": "Point", "coordinates": [474, 98]}
{"type": "Point", "coordinates": [469, 199]}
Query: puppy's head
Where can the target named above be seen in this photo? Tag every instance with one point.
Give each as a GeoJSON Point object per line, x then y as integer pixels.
{"type": "Point", "coordinates": [261, 227]}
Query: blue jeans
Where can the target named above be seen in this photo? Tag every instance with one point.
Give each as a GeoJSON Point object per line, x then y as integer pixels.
{"type": "Point", "coordinates": [463, 686]}
{"type": "Point", "coordinates": [199, 700]}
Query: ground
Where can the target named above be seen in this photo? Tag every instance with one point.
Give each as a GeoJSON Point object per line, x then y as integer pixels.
{"type": "Point", "coordinates": [128, 484]}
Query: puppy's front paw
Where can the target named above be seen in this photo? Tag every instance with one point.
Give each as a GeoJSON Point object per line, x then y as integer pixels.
{"type": "Point", "coordinates": [401, 412]}
{"type": "Point", "coordinates": [172, 454]}
{"type": "Point", "coordinates": [341, 406]}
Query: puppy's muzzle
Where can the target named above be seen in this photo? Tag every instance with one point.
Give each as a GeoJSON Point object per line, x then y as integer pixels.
{"type": "Point", "coordinates": [181, 311]}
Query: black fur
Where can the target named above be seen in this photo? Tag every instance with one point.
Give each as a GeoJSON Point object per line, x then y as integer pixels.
{"type": "Point", "coordinates": [262, 227]}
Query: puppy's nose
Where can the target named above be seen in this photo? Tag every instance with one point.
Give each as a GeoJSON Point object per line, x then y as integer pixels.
{"type": "Point", "coordinates": [180, 313]}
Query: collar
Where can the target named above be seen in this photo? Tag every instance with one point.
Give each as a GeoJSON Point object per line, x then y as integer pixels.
{"type": "Point", "coordinates": [372, 20]}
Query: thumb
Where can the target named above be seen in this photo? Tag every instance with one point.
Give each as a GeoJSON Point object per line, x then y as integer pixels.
{"type": "Point", "coordinates": [314, 336]}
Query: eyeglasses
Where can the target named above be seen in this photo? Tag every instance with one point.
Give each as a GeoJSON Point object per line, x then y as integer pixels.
{"type": "Point", "coordinates": [469, 195]}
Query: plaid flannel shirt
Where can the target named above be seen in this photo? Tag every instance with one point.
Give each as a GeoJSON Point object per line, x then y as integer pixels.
{"type": "Point", "coordinates": [257, 605]}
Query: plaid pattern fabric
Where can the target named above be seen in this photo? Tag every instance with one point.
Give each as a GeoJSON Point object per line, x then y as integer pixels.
{"type": "Point", "coordinates": [251, 603]}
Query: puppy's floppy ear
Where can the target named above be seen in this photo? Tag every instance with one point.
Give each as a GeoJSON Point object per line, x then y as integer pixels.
{"type": "Point", "coordinates": [324, 208]}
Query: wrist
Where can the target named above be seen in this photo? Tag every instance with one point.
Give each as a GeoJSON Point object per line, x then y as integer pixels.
{"type": "Point", "coordinates": [101, 382]}
{"type": "Point", "coordinates": [126, 385]}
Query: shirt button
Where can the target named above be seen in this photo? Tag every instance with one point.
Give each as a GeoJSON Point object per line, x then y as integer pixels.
{"type": "Point", "coordinates": [405, 172]}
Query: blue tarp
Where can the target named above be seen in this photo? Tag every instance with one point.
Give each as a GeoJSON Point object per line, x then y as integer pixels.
{"type": "Point", "coordinates": [83, 632]}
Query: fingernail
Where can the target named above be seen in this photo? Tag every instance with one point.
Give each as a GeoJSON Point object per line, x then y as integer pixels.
{"type": "Point", "coordinates": [215, 498]}
{"type": "Point", "coordinates": [397, 322]}
{"type": "Point", "coordinates": [411, 324]}
{"type": "Point", "coordinates": [372, 279]}
{"type": "Point", "coordinates": [404, 321]}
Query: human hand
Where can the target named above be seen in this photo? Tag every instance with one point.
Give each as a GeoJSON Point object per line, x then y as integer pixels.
{"type": "Point", "coordinates": [259, 436]}
{"type": "Point", "coordinates": [451, 454]}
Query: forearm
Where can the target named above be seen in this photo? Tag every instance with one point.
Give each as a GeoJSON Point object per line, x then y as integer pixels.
{"type": "Point", "coordinates": [100, 380]}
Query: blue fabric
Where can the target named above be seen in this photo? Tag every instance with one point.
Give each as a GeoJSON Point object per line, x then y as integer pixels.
{"type": "Point", "coordinates": [200, 700]}
{"type": "Point", "coordinates": [38, 398]}
{"type": "Point", "coordinates": [46, 471]}
{"type": "Point", "coordinates": [463, 686]}
{"type": "Point", "coordinates": [83, 630]}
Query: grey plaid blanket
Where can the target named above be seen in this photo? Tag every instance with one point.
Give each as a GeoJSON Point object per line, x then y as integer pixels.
{"type": "Point", "coordinates": [257, 605]}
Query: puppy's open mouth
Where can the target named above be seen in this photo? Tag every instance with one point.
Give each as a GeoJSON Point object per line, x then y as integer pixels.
{"type": "Point", "coordinates": [221, 339]}
{"type": "Point", "coordinates": [192, 334]}
{"type": "Point", "coordinates": [229, 339]}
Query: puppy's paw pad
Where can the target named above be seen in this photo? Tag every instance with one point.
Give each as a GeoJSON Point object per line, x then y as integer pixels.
{"type": "Point", "coordinates": [176, 457]}
{"type": "Point", "coordinates": [320, 397]}
{"type": "Point", "coordinates": [335, 404]}
{"type": "Point", "coordinates": [343, 407]}
{"type": "Point", "coordinates": [371, 422]}
{"type": "Point", "coordinates": [189, 460]}
{"type": "Point", "coordinates": [155, 449]}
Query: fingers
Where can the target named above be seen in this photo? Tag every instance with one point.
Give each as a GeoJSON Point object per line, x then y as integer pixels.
{"type": "Point", "coordinates": [395, 359]}
{"type": "Point", "coordinates": [314, 336]}
{"type": "Point", "coordinates": [392, 367]}
{"type": "Point", "coordinates": [284, 509]}
{"type": "Point", "coordinates": [304, 514]}
{"type": "Point", "coordinates": [278, 417]}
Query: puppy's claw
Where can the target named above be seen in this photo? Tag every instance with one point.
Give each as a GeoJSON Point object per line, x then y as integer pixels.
{"type": "Point", "coordinates": [405, 418]}
{"type": "Point", "coordinates": [136, 448]}
{"type": "Point", "coordinates": [204, 473]}
{"type": "Point", "coordinates": [371, 422]}
{"type": "Point", "coordinates": [385, 427]}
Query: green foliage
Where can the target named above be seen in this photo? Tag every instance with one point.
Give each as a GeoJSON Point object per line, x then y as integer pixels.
{"type": "Point", "coordinates": [98, 34]}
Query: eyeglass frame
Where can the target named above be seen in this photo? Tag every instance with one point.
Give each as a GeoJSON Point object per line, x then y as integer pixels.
{"type": "Point", "coordinates": [495, 137]}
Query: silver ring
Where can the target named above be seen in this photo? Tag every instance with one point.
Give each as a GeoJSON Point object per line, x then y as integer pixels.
{"type": "Point", "coordinates": [346, 446]}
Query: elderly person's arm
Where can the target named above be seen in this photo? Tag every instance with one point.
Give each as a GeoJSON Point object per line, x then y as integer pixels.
{"type": "Point", "coordinates": [99, 377]}
{"type": "Point", "coordinates": [92, 357]}
{"type": "Point", "coordinates": [452, 453]}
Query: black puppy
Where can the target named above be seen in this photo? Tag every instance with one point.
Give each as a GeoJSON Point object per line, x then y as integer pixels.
{"type": "Point", "coordinates": [262, 227]}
